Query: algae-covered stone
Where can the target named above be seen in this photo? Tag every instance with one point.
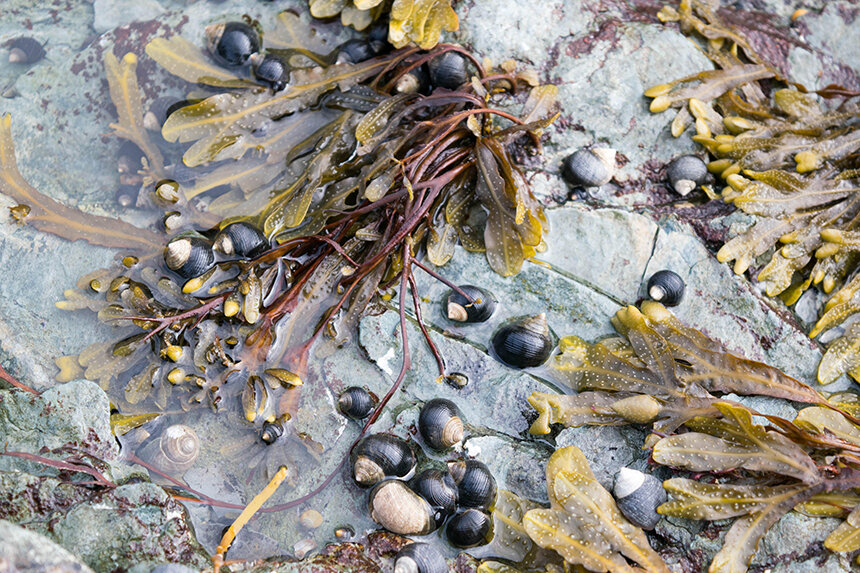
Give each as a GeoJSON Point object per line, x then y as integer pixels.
{"type": "Point", "coordinates": [23, 551]}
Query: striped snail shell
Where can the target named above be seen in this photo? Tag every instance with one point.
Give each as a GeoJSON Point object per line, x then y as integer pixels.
{"type": "Point", "coordinates": [524, 343]}
{"type": "Point", "coordinates": [687, 172]}
{"type": "Point", "coordinates": [666, 287]}
{"type": "Point", "coordinates": [476, 486]}
{"type": "Point", "coordinates": [356, 403]}
{"type": "Point", "coordinates": [174, 451]}
{"type": "Point", "coordinates": [420, 558]}
{"type": "Point", "coordinates": [379, 456]}
{"type": "Point", "coordinates": [232, 43]}
{"type": "Point", "coordinates": [479, 309]}
{"type": "Point", "coordinates": [439, 489]}
{"type": "Point", "coordinates": [469, 528]}
{"type": "Point", "coordinates": [440, 424]}
{"type": "Point", "coordinates": [189, 255]}
{"type": "Point", "coordinates": [241, 239]}
{"type": "Point", "coordinates": [589, 167]}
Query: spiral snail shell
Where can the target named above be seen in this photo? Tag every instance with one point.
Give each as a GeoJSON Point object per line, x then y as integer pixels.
{"type": "Point", "coordinates": [174, 451]}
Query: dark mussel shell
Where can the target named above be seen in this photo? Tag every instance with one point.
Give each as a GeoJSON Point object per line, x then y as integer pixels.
{"type": "Point", "coordinates": [448, 71]}
{"type": "Point", "coordinates": [589, 167]}
{"type": "Point", "coordinates": [638, 495]}
{"type": "Point", "coordinates": [359, 50]}
{"type": "Point", "coordinates": [440, 491]}
{"type": "Point", "coordinates": [420, 558]}
{"type": "Point", "coordinates": [524, 343]}
{"type": "Point", "coordinates": [666, 287]}
{"type": "Point", "coordinates": [189, 255]}
{"type": "Point", "coordinates": [469, 529]}
{"type": "Point", "coordinates": [400, 510]}
{"type": "Point", "coordinates": [270, 70]}
{"type": "Point", "coordinates": [461, 309]}
{"type": "Point", "coordinates": [356, 403]}
{"type": "Point", "coordinates": [687, 172]}
{"type": "Point", "coordinates": [232, 43]}
{"type": "Point", "coordinates": [241, 239]}
{"type": "Point", "coordinates": [379, 456]}
{"type": "Point", "coordinates": [25, 50]}
{"type": "Point", "coordinates": [476, 486]}
{"type": "Point", "coordinates": [440, 424]}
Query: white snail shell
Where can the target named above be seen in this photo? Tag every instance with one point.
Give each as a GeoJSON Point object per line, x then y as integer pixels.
{"type": "Point", "coordinates": [174, 452]}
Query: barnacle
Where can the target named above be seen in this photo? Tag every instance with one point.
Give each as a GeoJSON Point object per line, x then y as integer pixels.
{"type": "Point", "coordinates": [786, 160]}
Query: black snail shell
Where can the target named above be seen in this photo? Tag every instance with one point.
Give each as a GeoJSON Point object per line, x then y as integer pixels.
{"type": "Point", "coordinates": [524, 343]}
{"type": "Point", "coordinates": [241, 239]}
{"type": "Point", "coordinates": [356, 403]}
{"type": "Point", "coordinates": [476, 486]}
{"type": "Point", "coordinates": [420, 558]}
{"type": "Point", "coordinates": [440, 424]}
{"type": "Point", "coordinates": [439, 490]}
{"type": "Point", "coordinates": [687, 172]}
{"type": "Point", "coordinates": [359, 50]}
{"type": "Point", "coordinates": [270, 70]}
{"type": "Point", "coordinates": [189, 255]}
{"type": "Point", "coordinates": [448, 70]}
{"type": "Point", "coordinates": [469, 528]}
{"type": "Point", "coordinates": [666, 287]}
{"type": "Point", "coordinates": [379, 456]}
{"type": "Point", "coordinates": [479, 309]}
{"type": "Point", "coordinates": [589, 167]}
{"type": "Point", "coordinates": [25, 50]}
{"type": "Point", "coordinates": [174, 451]}
{"type": "Point", "coordinates": [271, 431]}
{"type": "Point", "coordinates": [638, 495]}
{"type": "Point", "coordinates": [400, 510]}
{"type": "Point", "coordinates": [232, 43]}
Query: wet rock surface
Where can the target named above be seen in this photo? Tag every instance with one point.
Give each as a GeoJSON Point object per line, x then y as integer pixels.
{"type": "Point", "coordinates": [602, 248]}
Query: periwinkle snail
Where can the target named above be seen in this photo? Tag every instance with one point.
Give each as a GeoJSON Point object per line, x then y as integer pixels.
{"type": "Point", "coordinates": [477, 306]}
{"type": "Point", "coordinates": [476, 486]}
{"type": "Point", "coordinates": [448, 70]}
{"type": "Point", "coordinates": [232, 43]}
{"type": "Point", "coordinates": [524, 343]}
{"type": "Point", "coordinates": [356, 403]}
{"type": "Point", "coordinates": [358, 50]}
{"type": "Point", "coordinates": [241, 239]}
{"type": "Point", "coordinates": [469, 528]}
{"type": "Point", "coordinates": [687, 172]}
{"type": "Point", "coordinates": [438, 489]}
{"type": "Point", "coordinates": [25, 50]}
{"type": "Point", "coordinates": [440, 424]}
{"type": "Point", "coordinates": [638, 495]}
{"type": "Point", "coordinates": [400, 510]}
{"type": "Point", "coordinates": [189, 255]}
{"type": "Point", "coordinates": [270, 70]}
{"type": "Point", "coordinates": [666, 287]}
{"type": "Point", "coordinates": [419, 558]}
{"type": "Point", "coordinates": [174, 451]}
{"type": "Point", "coordinates": [589, 167]}
{"type": "Point", "coordinates": [379, 456]}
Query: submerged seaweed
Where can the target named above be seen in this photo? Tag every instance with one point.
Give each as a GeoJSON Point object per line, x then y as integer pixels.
{"type": "Point", "coordinates": [788, 160]}
{"type": "Point", "coordinates": [670, 376]}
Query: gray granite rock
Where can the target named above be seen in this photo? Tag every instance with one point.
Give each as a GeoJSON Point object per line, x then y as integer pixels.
{"type": "Point", "coordinates": [23, 551]}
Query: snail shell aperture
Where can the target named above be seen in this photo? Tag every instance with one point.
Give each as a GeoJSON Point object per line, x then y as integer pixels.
{"type": "Point", "coordinates": [666, 287]}
{"type": "Point", "coordinates": [589, 167]}
{"type": "Point", "coordinates": [687, 172]}
{"type": "Point", "coordinates": [638, 495]}
{"type": "Point", "coordinates": [420, 558]}
{"type": "Point", "coordinates": [379, 456]}
{"type": "Point", "coordinates": [400, 510]}
{"type": "Point", "coordinates": [524, 343]}
{"type": "Point", "coordinates": [174, 452]}
{"type": "Point", "coordinates": [440, 424]}
{"type": "Point", "coordinates": [461, 309]}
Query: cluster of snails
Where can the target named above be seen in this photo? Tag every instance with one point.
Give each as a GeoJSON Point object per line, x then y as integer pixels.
{"type": "Point", "coordinates": [522, 343]}
{"type": "Point", "coordinates": [461, 495]}
{"type": "Point", "coordinates": [234, 44]}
